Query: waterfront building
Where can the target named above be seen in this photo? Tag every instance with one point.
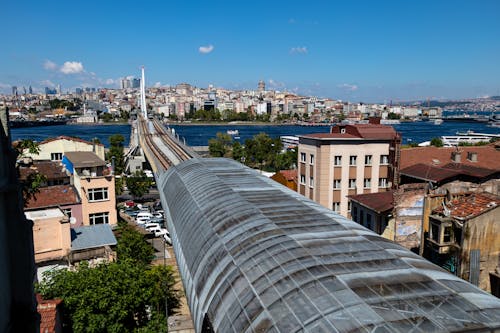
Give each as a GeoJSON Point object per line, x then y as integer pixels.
{"type": "Point", "coordinates": [352, 159]}
{"type": "Point", "coordinates": [53, 149]}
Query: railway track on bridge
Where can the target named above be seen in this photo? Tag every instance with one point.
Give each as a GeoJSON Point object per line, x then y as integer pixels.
{"type": "Point", "coordinates": [165, 149]}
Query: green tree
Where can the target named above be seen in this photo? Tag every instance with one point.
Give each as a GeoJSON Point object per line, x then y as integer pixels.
{"type": "Point", "coordinates": [116, 150]}
{"type": "Point", "coordinates": [132, 247]}
{"type": "Point", "coordinates": [261, 151]}
{"type": "Point", "coordinates": [138, 184]}
{"type": "Point", "coordinates": [437, 142]}
{"type": "Point", "coordinates": [30, 186]}
{"type": "Point", "coordinates": [286, 160]}
{"type": "Point", "coordinates": [238, 151]}
{"type": "Point", "coordinates": [114, 297]}
{"type": "Point", "coordinates": [220, 146]}
{"type": "Point", "coordinates": [106, 117]}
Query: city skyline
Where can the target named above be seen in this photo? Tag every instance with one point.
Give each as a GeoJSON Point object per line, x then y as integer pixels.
{"type": "Point", "coordinates": [359, 52]}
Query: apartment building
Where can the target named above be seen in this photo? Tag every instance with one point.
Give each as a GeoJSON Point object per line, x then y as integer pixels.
{"type": "Point", "coordinates": [53, 149]}
{"type": "Point", "coordinates": [351, 159]}
{"type": "Point", "coordinates": [95, 186]}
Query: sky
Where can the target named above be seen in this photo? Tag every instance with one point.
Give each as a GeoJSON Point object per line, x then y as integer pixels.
{"type": "Point", "coordinates": [364, 51]}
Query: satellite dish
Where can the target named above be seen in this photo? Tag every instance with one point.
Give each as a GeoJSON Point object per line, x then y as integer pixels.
{"type": "Point", "coordinates": [72, 220]}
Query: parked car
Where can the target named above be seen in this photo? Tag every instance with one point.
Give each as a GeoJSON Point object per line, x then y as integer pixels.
{"type": "Point", "coordinates": [131, 212]}
{"type": "Point", "coordinates": [167, 238]}
{"type": "Point", "coordinates": [151, 225]}
{"type": "Point", "coordinates": [144, 214]}
{"type": "Point", "coordinates": [129, 203]}
{"type": "Point", "coordinates": [161, 232]}
{"type": "Point", "coordinates": [142, 220]}
{"type": "Point", "coordinates": [158, 215]}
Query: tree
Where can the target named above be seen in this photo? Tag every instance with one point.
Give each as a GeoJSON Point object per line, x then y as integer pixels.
{"type": "Point", "coordinates": [113, 297]}
{"type": "Point", "coordinates": [138, 184]}
{"type": "Point", "coordinates": [132, 247]}
{"type": "Point", "coordinates": [116, 150]}
{"type": "Point", "coordinates": [262, 150]}
{"type": "Point", "coordinates": [286, 160]}
{"type": "Point", "coordinates": [31, 186]}
{"type": "Point", "coordinates": [220, 146]}
{"type": "Point", "coordinates": [437, 142]}
{"type": "Point", "coordinates": [238, 151]}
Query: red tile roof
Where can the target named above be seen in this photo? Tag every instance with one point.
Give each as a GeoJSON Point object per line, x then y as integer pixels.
{"type": "Point", "coordinates": [69, 138]}
{"type": "Point", "coordinates": [59, 195]}
{"type": "Point", "coordinates": [50, 169]}
{"type": "Point", "coordinates": [290, 175]}
{"type": "Point", "coordinates": [429, 172]}
{"type": "Point", "coordinates": [48, 314]}
{"type": "Point", "coordinates": [471, 205]}
{"type": "Point", "coordinates": [358, 131]}
{"type": "Point", "coordinates": [488, 157]}
{"type": "Point", "coordinates": [379, 202]}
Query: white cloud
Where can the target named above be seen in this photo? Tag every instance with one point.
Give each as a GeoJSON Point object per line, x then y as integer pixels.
{"type": "Point", "coordinates": [348, 87]}
{"type": "Point", "coordinates": [49, 65]}
{"type": "Point", "coordinates": [206, 49]}
{"type": "Point", "coordinates": [157, 84]}
{"type": "Point", "coordinates": [109, 81]}
{"type": "Point", "coordinates": [275, 84]}
{"type": "Point", "coordinates": [299, 49]}
{"type": "Point", "coordinates": [71, 67]}
{"type": "Point", "coordinates": [47, 83]}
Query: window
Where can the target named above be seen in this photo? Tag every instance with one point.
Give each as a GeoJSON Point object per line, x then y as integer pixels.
{"type": "Point", "coordinates": [369, 221]}
{"type": "Point", "coordinates": [336, 184]}
{"type": "Point", "coordinates": [367, 183]}
{"type": "Point", "coordinates": [302, 179]}
{"type": "Point", "coordinates": [56, 156]}
{"type": "Point", "coordinates": [447, 234]}
{"type": "Point", "coordinates": [434, 232]}
{"type": "Point", "coordinates": [349, 204]}
{"type": "Point", "coordinates": [336, 207]}
{"type": "Point", "coordinates": [352, 183]}
{"type": "Point", "coordinates": [354, 214]}
{"type": "Point", "coordinates": [384, 159]}
{"type": "Point", "coordinates": [337, 161]}
{"type": "Point", "coordinates": [368, 159]}
{"type": "Point", "coordinates": [98, 194]}
{"type": "Point", "coordinates": [382, 182]}
{"type": "Point", "coordinates": [311, 159]}
{"type": "Point", "coordinates": [67, 212]}
{"type": "Point", "coordinates": [99, 218]}
{"type": "Point", "coordinates": [302, 157]}
{"type": "Point", "coordinates": [352, 160]}
{"type": "Point", "coordinates": [311, 181]}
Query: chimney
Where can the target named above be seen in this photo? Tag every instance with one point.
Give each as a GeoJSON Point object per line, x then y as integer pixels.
{"type": "Point", "coordinates": [456, 156]}
{"type": "Point", "coordinates": [374, 120]}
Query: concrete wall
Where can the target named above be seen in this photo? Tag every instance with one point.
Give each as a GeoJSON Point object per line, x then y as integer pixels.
{"type": "Point", "coordinates": [483, 233]}
{"type": "Point", "coordinates": [408, 213]}
{"type": "Point", "coordinates": [51, 234]}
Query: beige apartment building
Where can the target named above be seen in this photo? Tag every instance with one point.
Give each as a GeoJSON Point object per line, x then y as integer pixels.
{"type": "Point", "coordinates": [53, 149]}
{"type": "Point", "coordinates": [95, 185]}
{"type": "Point", "coordinates": [351, 159]}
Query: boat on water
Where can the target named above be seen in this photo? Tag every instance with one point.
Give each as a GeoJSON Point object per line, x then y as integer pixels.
{"type": "Point", "coordinates": [468, 137]}
{"type": "Point", "coordinates": [438, 121]}
{"type": "Point", "coordinates": [233, 132]}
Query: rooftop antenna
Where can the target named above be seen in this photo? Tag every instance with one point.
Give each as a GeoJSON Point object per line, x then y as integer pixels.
{"type": "Point", "coordinates": [143, 95]}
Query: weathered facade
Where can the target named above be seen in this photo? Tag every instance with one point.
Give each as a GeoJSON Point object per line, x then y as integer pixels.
{"type": "Point", "coordinates": [464, 236]}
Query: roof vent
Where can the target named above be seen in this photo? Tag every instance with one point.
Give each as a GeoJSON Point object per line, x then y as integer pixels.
{"type": "Point", "coordinates": [491, 204]}
{"type": "Point", "coordinates": [342, 130]}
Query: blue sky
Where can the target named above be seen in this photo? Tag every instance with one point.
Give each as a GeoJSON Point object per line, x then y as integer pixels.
{"type": "Point", "coordinates": [372, 51]}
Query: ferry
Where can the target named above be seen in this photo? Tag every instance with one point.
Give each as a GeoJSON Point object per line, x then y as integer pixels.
{"type": "Point", "coordinates": [469, 137]}
{"type": "Point", "coordinates": [233, 132]}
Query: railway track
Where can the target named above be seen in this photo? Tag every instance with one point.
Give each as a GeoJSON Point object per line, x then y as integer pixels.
{"type": "Point", "coordinates": [159, 141]}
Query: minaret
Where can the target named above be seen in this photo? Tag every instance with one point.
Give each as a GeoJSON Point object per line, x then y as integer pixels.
{"type": "Point", "coordinates": [143, 95]}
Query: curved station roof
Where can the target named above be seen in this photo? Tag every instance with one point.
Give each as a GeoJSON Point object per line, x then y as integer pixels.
{"type": "Point", "coordinates": [255, 256]}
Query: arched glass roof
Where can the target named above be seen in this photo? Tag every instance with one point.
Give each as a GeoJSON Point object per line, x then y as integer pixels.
{"type": "Point", "coordinates": [255, 256]}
